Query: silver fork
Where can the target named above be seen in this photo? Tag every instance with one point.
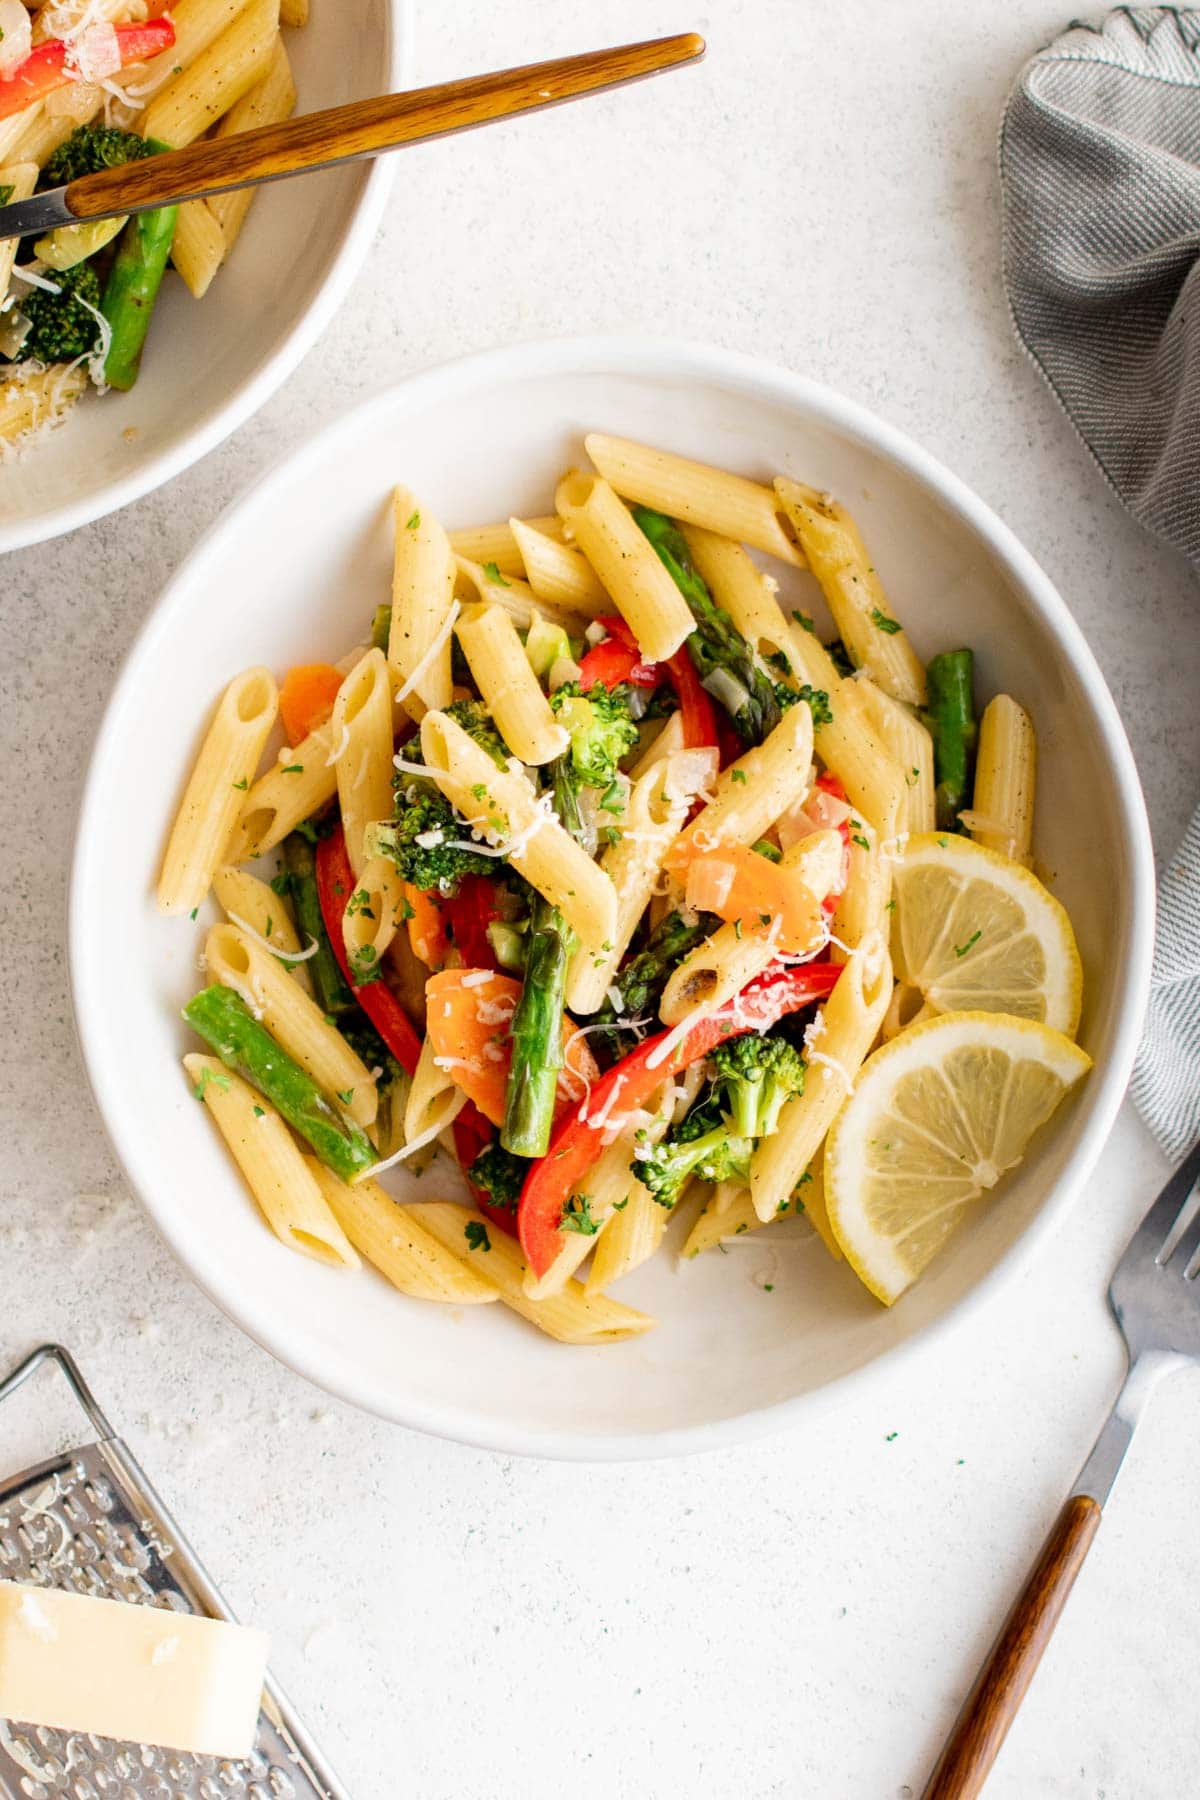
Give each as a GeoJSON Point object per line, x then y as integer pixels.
{"type": "Point", "coordinates": [1155, 1296]}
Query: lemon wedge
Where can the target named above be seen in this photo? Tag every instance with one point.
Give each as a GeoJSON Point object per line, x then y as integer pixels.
{"type": "Point", "coordinates": [935, 1119]}
{"type": "Point", "coordinates": [974, 932]}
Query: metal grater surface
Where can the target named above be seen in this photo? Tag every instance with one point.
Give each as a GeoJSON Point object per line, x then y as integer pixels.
{"type": "Point", "coordinates": [89, 1521]}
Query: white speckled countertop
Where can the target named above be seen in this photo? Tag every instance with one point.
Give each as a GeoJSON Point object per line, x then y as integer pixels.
{"type": "Point", "coordinates": [799, 1618]}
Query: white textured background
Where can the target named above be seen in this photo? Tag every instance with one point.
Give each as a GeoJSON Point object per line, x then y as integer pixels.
{"type": "Point", "coordinates": [799, 1618]}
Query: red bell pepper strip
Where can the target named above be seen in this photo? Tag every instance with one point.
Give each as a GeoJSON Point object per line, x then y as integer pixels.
{"type": "Point", "coordinates": [468, 915]}
{"type": "Point", "coordinates": [335, 884]}
{"type": "Point", "coordinates": [472, 1135]}
{"type": "Point", "coordinates": [49, 66]}
{"type": "Point", "coordinates": [577, 1140]}
{"type": "Point", "coordinates": [612, 662]}
{"type": "Point", "coordinates": [697, 711]}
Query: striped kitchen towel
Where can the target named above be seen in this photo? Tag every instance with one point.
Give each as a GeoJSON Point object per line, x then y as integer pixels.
{"type": "Point", "coordinates": [1100, 172]}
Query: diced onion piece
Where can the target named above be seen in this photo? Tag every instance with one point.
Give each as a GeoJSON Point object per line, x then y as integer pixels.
{"type": "Point", "coordinates": [17, 39]}
{"type": "Point", "coordinates": [96, 51]}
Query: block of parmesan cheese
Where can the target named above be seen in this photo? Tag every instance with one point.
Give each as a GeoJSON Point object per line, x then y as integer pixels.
{"type": "Point", "coordinates": [135, 1672]}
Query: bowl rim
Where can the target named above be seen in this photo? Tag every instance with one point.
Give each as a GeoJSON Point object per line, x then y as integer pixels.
{"type": "Point", "coordinates": [245, 401]}
{"type": "Point", "coordinates": [625, 355]}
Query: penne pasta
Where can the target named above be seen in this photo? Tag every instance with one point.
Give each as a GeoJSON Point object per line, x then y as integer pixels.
{"type": "Point", "coordinates": [392, 1240]}
{"type": "Point", "coordinates": [276, 1173]}
{"type": "Point", "coordinates": [495, 544]}
{"type": "Point", "coordinates": [361, 727]}
{"type": "Point", "coordinates": [849, 1021]}
{"type": "Point", "coordinates": [222, 774]}
{"type": "Point", "coordinates": [1001, 815]}
{"type": "Point", "coordinates": [422, 600]}
{"type": "Point", "coordinates": [910, 748]}
{"type": "Point", "coordinates": [268, 102]}
{"type": "Point", "coordinates": [295, 1021]}
{"type": "Point", "coordinates": [509, 687]}
{"type": "Point", "coordinates": [625, 563]}
{"type": "Point", "coordinates": [372, 917]}
{"type": "Point", "coordinates": [572, 1316]}
{"type": "Point", "coordinates": [729, 505]}
{"type": "Point", "coordinates": [632, 1236]}
{"type": "Point", "coordinates": [863, 902]}
{"type": "Point", "coordinates": [434, 1099]}
{"type": "Point", "coordinates": [226, 69]}
{"type": "Point", "coordinates": [252, 904]}
{"type": "Point", "coordinates": [750, 795]}
{"type": "Point", "coordinates": [507, 813]}
{"type": "Point", "coordinates": [198, 247]}
{"type": "Point", "coordinates": [557, 573]}
{"type": "Point", "coordinates": [298, 786]}
{"type": "Point", "coordinates": [198, 23]}
{"type": "Point", "coordinates": [853, 591]}
{"type": "Point", "coordinates": [739, 586]}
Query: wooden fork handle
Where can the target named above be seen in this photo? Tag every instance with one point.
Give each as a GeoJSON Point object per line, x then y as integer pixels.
{"type": "Point", "coordinates": [993, 1702]}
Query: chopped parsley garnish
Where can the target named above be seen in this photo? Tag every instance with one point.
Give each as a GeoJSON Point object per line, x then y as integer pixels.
{"type": "Point", "coordinates": [407, 911]}
{"type": "Point", "coordinates": [891, 1437]}
{"type": "Point", "coordinates": [345, 1095]}
{"type": "Point", "coordinates": [260, 1112]}
{"type": "Point", "coordinates": [241, 785]}
{"type": "Point", "coordinates": [913, 776]}
{"type": "Point", "coordinates": [414, 522]}
{"type": "Point", "coordinates": [620, 1205]}
{"type": "Point", "coordinates": [364, 965]}
{"type": "Point", "coordinates": [492, 571]}
{"type": "Point", "coordinates": [864, 843]}
{"type": "Point", "coordinates": [577, 1216]}
{"type": "Point", "coordinates": [360, 902]}
{"type": "Point", "coordinates": [612, 800]}
{"type": "Point", "coordinates": [193, 912]}
{"type": "Point", "coordinates": [881, 620]}
{"type": "Point", "coordinates": [293, 769]}
{"type": "Point", "coordinates": [961, 949]}
{"type": "Point", "coordinates": [479, 791]}
{"type": "Point", "coordinates": [211, 1078]}
{"type": "Point", "coordinates": [477, 1235]}
{"type": "Point", "coordinates": [803, 621]}
{"type": "Point", "coordinates": [738, 775]}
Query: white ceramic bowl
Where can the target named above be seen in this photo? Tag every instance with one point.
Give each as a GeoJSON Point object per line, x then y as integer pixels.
{"type": "Point", "coordinates": [210, 364]}
{"type": "Point", "coordinates": [292, 573]}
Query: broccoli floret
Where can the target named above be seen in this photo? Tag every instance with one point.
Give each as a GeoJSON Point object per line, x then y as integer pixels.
{"type": "Point", "coordinates": [601, 727]}
{"type": "Point", "coordinates": [500, 1175]}
{"type": "Point", "coordinates": [421, 842]}
{"type": "Point", "coordinates": [89, 148]}
{"type": "Point", "coordinates": [62, 326]}
{"type": "Point", "coordinates": [477, 722]}
{"type": "Point", "coordinates": [754, 1076]}
{"type": "Point", "coordinates": [713, 1155]}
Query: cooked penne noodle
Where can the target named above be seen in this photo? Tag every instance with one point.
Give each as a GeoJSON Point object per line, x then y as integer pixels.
{"type": "Point", "coordinates": [723, 1218]}
{"type": "Point", "coordinates": [547, 856]}
{"type": "Point", "coordinates": [509, 687]}
{"type": "Point", "coordinates": [275, 1172]}
{"type": "Point", "coordinates": [213, 796]}
{"type": "Point", "coordinates": [12, 130]}
{"type": "Point", "coordinates": [46, 133]}
{"type": "Point", "coordinates": [252, 904]}
{"type": "Point", "coordinates": [287, 794]}
{"type": "Point", "coordinates": [810, 1194]}
{"type": "Point", "coordinates": [270, 101]}
{"type": "Point", "coordinates": [495, 544]}
{"type": "Point", "coordinates": [228, 68]}
{"type": "Point", "coordinates": [296, 1022]}
{"type": "Point", "coordinates": [198, 247]}
{"type": "Point", "coordinates": [733, 507]}
{"type": "Point", "coordinates": [557, 573]}
{"type": "Point", "coordinates": [361, 727]}
{"type": "Point", "coordinates": [392, 1240]}
{"type": "Point", "coordinates": [654, 812]}
{"type": "Point", "coordinates": [422, 598]}
{"type": "Point", "coordinates": [853, 591]}
{"type": "Point", "coordinates": [1001, 816]}
{"type": "Point", "coordinates": [750, 795]}
{"type": "Point", "coordinates": [849, 1021]}
{"type": "Point", "coordinates": [475, 583]}
{"type": "Point", "coordinates": [571, 1317]}
{"type": "Point", "coordinates": [665, 743]}
{"type": "Point", "coordinates": [626, 564]}
{"type": "Point", "coordinates": [373, 915]}
{"type": "Point", "coordinates": [18, 179]}
{"type": "Point", "coordinates": [910, 748]}
{"type": "Point", "coordinates": [198, 23]}
{"type": "Point", "coordinates": [434, 1099]}
{"type": "Point", "coordinates": [862, 904]}
{"type": "Point", "coordinates": [739, 586]}
{"type": "Point", "coordinates": [631, 1237]}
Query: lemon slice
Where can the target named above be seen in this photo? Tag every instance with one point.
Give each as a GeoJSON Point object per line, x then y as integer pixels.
{"type": "Point", "coordinates": [974, 932]}
{"type": "Point", "coordinates": [935, 1119]}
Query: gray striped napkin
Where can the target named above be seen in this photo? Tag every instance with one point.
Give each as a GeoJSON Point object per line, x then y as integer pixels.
{"type": "Point", "coordinates": [1100, 171]}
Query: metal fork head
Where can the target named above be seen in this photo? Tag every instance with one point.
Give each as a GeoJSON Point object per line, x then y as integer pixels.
{"type": "Point", "coordinates": [1155, 1299]}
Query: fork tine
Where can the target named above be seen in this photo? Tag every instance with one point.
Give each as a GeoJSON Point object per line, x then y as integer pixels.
{"type": "Point", "coordinates": [1155, 1229]}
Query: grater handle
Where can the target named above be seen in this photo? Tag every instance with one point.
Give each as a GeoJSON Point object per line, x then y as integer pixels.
{"type": "Point", "coordinates": [58, 1353]}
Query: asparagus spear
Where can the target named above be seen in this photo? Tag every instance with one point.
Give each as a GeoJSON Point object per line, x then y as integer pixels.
{"type": "Point", "coordinates": [330, 989]}
{"type": "Point", "coordinates": [537, 1055]}
{"type": "Point", "coordinates": [642, 980]}
{"type": "Point", "coordinates": [950, 716]}
{"type": "Point", "coordinates": [133, 285]}
{"type": "Point", "coordinates": [724, 660]}
{"type": "Point", "coordinates": [227, 1025]}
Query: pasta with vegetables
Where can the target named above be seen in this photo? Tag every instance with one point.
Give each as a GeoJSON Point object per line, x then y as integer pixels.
{"type": "Point", "coordinates": [632, 894]}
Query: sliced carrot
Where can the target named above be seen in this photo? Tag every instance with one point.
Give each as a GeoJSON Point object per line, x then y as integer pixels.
{"type": "Point", "coordinates": [741, 886]}
{"type": "Point", "coordinates": [468, 1017]}
{"type": "Point", "coordinates": [306, 698]}
{"type": "Point", "coordinates": [426, 928]}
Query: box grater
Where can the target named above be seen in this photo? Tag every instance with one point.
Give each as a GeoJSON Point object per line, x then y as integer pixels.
{"type": "Point", "coordinates": [89, 1521]}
